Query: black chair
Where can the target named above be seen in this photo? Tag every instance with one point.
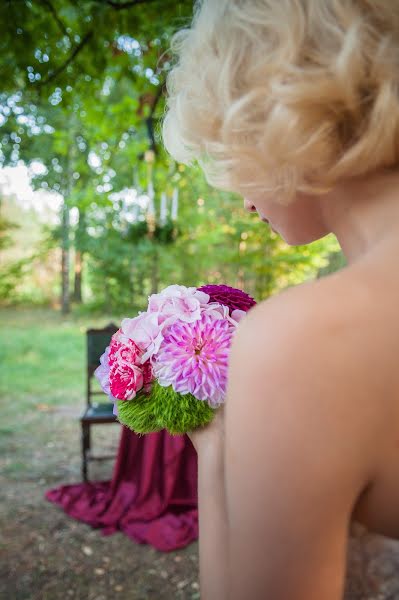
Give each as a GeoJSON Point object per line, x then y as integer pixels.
{"type": "Point", "coordinates": [96, 413]}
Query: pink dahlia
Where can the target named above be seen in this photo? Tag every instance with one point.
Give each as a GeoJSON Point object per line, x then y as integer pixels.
{"type": "Point", "coordinates": [193, 358]}
{"type": "Point", "coordinates": [234, 298]}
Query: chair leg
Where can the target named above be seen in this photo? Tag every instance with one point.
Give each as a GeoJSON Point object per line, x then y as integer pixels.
{"type": "Point", "coordinates": [85, 448]}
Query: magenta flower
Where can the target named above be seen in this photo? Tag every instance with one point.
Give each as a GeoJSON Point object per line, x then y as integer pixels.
{"type": "Point", "coordinates": [231, 297]}
{"type": "Point", "coordinates": [193, 358]}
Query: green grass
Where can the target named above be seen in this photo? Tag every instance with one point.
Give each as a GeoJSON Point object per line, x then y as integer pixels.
{"type": "Point", "coordinates": [42, 360]}
{"type": "Point", "coordinates": [42, 391]}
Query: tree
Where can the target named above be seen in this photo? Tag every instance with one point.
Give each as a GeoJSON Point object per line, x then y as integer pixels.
{"type": "Point", "coordinates": [50, 79]}
{"type": "Point", "coordinates": [82, 92]}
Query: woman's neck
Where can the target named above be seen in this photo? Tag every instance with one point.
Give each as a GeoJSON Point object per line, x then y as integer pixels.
{"type": "Point", "coordinates": [363, 214]}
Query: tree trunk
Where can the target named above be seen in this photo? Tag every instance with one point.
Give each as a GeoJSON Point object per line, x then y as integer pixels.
{"type": "Point", "coordinates": [65, 304]}
{"type": "Point", "coordinates": [133, 281]}
{"type": "Point", "coordinates": [155, 272]}
{"type": "Point", "coordinates": [77, 287]}
{"type": "Point", "coordinates": [80, 236]}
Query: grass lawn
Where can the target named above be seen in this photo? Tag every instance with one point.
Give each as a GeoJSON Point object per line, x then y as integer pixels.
{"type": "Point", "coordinates": [42, 359]}
{"type": "Point", "coordinates": [42, 378]}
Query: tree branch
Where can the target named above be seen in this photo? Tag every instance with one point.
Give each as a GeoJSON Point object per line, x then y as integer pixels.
{"type": "Point", "coordinates": [123, 5]}
{"type": "Point", "coordinates": [53, 74]}
{"type": "Point", "coordinates": [150, 119]}
{"type": "Point", "coordinates": [56, 17]}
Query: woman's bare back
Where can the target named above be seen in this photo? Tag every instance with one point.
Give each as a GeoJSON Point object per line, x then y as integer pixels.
{"type": "Point", "coordinates": [376, 279]}
{"type": "Point", "coordinates": [373, 550]}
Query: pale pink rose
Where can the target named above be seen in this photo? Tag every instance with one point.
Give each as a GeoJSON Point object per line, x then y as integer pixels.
{"type": "Point", "coordinates": [238, 314]}
{"type": "Point", "coordinates": [125, 381]}
{"type": "Point", "coordinates": [145, 332]}
{"type": "Point", "coordinates": [177, 303]}
{"type": "Point", "coordinates": [218, 311]}
{"type": "Point", "coordinates": [175, 291]}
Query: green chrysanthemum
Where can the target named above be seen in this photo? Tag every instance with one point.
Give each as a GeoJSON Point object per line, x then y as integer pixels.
{"type": "Point", "coordinates": [163, 408]}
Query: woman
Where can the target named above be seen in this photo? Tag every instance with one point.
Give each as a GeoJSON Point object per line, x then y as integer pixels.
{"type": "Point", "coordinates": [295, 105]}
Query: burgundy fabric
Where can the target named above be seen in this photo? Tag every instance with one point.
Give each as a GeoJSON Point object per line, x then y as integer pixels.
{"type": "Point", "coordinates": [152, 497]}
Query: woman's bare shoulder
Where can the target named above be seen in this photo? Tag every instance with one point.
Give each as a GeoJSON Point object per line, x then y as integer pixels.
{"type": "Point", "coordinates": [322, 355]}
{"type": "Point", "coordinates": [347, 309]}
{"type": "Point", "coordinates": [320, 324]}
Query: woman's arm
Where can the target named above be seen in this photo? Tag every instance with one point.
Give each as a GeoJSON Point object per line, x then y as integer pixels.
{"type": "Point", "coordinates": [213, 542]}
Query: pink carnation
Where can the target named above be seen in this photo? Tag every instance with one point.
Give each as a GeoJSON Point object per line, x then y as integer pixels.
{"type": "Point", "coordinates": [125, 381]}
{"type": "Point", "coordinates": [127, 373]}
{"type": "Point", "coordinates": [124, 350]}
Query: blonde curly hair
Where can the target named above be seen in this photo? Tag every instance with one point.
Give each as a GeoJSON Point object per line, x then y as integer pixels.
{"type": "Point", "coordinates": [284, 96]}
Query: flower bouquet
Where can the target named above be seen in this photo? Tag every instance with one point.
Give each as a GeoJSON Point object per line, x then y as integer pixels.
{"type": "Point", "coordinates": [167, 367]}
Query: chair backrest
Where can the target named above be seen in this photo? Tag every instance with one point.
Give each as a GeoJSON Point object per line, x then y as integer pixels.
{"type": "Point", "coordinates": [96, 342]}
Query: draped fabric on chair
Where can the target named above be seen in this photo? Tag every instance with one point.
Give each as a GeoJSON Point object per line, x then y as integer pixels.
{"type": "Point", "coordinates": [152, 496]}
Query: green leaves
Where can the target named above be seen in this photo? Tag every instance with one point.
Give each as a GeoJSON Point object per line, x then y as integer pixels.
{"type": "Point", "coordinates": [82, 92]}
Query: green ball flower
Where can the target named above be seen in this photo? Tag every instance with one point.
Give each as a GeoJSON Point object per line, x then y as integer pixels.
{"type": "Point", "coordinates": [163, 408]}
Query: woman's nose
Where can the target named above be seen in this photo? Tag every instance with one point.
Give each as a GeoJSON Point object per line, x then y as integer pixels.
{"type": "Point", "coordinates": [249, 206]}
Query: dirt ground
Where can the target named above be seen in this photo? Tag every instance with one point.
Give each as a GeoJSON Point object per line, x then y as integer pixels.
{"type": "Point", "coordinates": [46, 555]}
{"type": "Point", "coordinates": [373, 567]}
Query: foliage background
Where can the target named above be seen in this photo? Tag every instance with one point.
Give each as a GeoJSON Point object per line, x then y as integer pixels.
{"type": "Point", "coordinates": [81, 103]}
